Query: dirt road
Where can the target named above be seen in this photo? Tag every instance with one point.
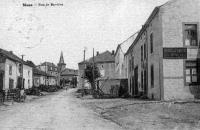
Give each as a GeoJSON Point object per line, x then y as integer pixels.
{"type": "Point", "coordinates": [59, 111]}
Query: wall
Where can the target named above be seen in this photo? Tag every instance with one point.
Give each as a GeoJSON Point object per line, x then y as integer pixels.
{"type": "Point", "coordinates": [154, 58]}
{"type": "Point", "coordinates": [42, 80]}
{"type": "Point", "coordinates": [2, 67]}
{"type": "Point", "coordinates": [80, 74]}
{"type": "Point", "coordinates": [14, 73]}
{"type": "Point", "coordinates": [51, 81]}
{"type": "Point", "coordinates": [36, 81]}
{"type": "Point", "coordinates": [120, 64]}
{"type": "Point", "coordinates": [134, 55]}
{"type": "Point", "coordinates": [173, 16]}
{"type": "Point", "coordinates": [107, 70]}
{"type": "Point", "coordinates": [27, 77]}
{"type": "Point", "coordinates": [105, 85]}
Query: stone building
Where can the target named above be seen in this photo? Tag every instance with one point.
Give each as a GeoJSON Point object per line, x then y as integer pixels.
{"type": "Point", "coordinates": [163, 59]}
{"type": "Point", "coordinates": [52, 70]}
{"type": "Point", "coordinates": [11, 72]}
{"type": "Point", "coordinates": [106, 64]}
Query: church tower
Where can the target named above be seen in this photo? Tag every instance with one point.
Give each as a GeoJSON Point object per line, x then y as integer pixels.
{"type": "Point", "coordinates": [61, 64]}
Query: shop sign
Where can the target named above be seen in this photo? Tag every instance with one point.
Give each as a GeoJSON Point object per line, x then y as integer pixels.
{"type": "Point", "coordinates": [175, 53]}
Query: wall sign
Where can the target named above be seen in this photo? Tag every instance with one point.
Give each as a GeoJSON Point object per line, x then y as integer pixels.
{"type": "Point", "coordinates": [175, 53]}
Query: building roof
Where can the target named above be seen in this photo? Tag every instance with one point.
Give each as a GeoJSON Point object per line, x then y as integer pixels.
{"type": "Point", "coordinates": [153, 14]}
{"type": "Point", "coordinates": [30, 63]}
{"type": "Point", "coordinates": [150, 18]}
{"type": "Point", "coordinates": [124, 46]}
{"type": "Point", "coordinates": [68, 71]}
{"type": "Point", "coordinates": [48, 64]}
{"type": "Point", "coordinates": [10, 55]}
{"type": "Point", "coordinates": [40, 72]}
{"type": "Point", "coordinates": [61, 61]}
{"type": "Point", "coordinates": [104, 57]}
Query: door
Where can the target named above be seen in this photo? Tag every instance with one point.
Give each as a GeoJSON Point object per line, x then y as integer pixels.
{"type": "Point", "coordinates": [1, 81]}
{"type": "Point", "coordinates": [145, 83]}
{"type": "Point", "coordinates": [132, 85]}
{"type": "Point", "coordinates": [136, 80]}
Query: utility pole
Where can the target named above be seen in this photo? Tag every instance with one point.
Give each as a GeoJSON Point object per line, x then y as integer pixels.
{"type": "Point", "coordinates": [22, 71]}
{"type": "Point", "coordinates": [83, 72]}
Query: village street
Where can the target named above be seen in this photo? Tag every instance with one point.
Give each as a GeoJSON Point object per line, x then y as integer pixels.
{"type": "Point", "coordinates": [58, 111]}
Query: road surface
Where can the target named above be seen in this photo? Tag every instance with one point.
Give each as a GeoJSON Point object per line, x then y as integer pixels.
{"type": "Point", "coordinates": [59, 111]}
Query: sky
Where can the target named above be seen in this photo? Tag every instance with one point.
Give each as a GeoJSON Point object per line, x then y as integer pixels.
{"type": "Point", "coordinates": [42, 32]}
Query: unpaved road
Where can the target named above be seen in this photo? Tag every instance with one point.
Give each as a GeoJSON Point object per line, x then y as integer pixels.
{"type": "Point", "coordinates": [60, 111]}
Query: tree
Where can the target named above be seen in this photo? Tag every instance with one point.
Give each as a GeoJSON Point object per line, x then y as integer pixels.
{"type": "Point", "coordinates": [89, 74]}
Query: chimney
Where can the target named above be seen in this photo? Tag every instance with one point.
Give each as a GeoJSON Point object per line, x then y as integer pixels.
{"type": "Point", "coordinates": [113, 52]}
{"type": "Point", "coordinates": [97, 53]}
{"type": "Point", "coordinates": [11, 52]}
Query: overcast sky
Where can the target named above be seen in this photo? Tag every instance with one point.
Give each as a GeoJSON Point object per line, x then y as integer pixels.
{"type": "Point", "coordinates": [41, 33]}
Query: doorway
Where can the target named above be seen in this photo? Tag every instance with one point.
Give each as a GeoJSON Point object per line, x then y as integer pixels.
{"type": "Point", "coordinates": [1, 81]}
{"type": "Point", "coordinates": [145, 83]}
{"type": "Point", "coordinates": [136, 80]}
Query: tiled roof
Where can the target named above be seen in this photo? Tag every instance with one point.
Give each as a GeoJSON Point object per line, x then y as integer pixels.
{"type": "Point", "coordinates": [48, 64]}
{"type": "Point", "coordinates": [30, 63]}
{"type": "Point", "coordinates": [39, 72]}
{"type": "Point", "coordinates": [153, 14]}
{"type": "Point", "coordinates": [10, 55]}
{"type": "Point", "coordinates": [102, 58]}
{"type": "Point", "coordinates": [68, 71]}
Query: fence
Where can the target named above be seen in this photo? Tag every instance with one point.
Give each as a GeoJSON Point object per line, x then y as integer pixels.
{"type": "Point", "coordinates": [2, 97]}
{"type": "Point", "coordinates": [10, 95]}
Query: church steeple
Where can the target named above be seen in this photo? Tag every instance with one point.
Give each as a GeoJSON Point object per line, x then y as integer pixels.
{"type": "Point", "coordinates": [61, 58]}
{"type": "Point", "coordinates": [61, 64]}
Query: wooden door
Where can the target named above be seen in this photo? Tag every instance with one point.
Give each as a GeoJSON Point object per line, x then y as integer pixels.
{"type": "Point", "coordinates": [1, 81]}
{"type": "Point", "coordinates": [136, 80]}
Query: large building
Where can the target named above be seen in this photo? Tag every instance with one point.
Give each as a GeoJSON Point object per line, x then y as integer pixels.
{"type": "Point", "coordinates": [106, 64]}
{"type": "Point", "coordinates": [69, 76]}
{"type": "Point", "coordinates": [52, 70]}
{"type": "Point", "coordinates": [163, 59]}
{"type": "Point", "coordinates": [11, 71]}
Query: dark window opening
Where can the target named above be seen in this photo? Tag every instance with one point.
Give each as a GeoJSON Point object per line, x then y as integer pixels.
{"type": "Point", "coordinates": [151, 43]}
{"type": "Point", "coordinates": [141, 53]}
{"type": "Point", "coordinates": [145, 51]}
{"type": "Point", "coordinates": [191, 36]}
{"type": "Point", "coordinates": [11, 83]}
{"type": "Point", "coordinates": [152, 76]}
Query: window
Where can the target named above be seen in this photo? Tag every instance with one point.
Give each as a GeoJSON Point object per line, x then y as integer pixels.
{"type": "Point", "coordinates": [29, 73]}
{"type": "Point", "coordinates": [142, 80]}
{"type": "Point", "coordinates": [145, 51]}
{"type": "Point", "coordinates": [28, 83]}
{"type": "Point", "coordinates": [141, 53]}
{"type": "Point", "coordinates": [20, 68]}
{"type": "Point", "coordinates": [190, 35]}
{"type": "Point", "coordinates": [152, 76]}
{"type": "Point", "coordinates": [132, 63]}
{"type": "Point", "coordinates": [11, 83]}
{"type": "Point", "coordinates": [191, 72]}
{"type": "Point", "coordinates": [151, 43]}
{"type": "Point", "coordinates": [10, 69]}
